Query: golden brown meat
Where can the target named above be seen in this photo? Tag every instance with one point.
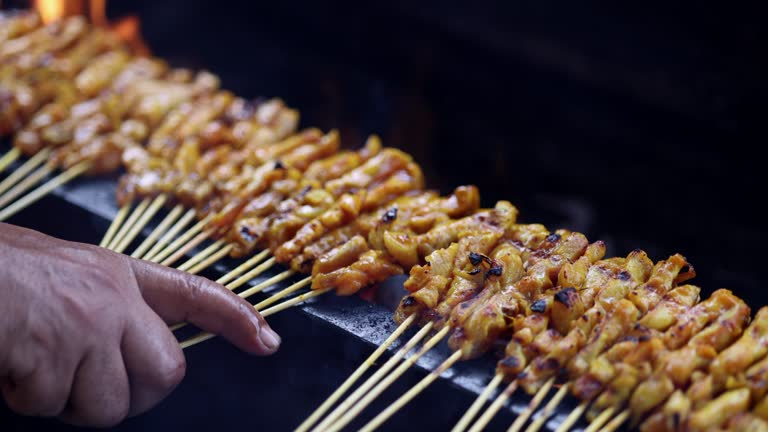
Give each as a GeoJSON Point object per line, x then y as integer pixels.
{"type": "Point", "coordinates": [465, 279]}
{"type": "Point", "coordinates": [371, 267]}
{"type": "Point", "coordinates": [674, 369]}
{"type": "Point", "coordinates": [500, 312]}
{"type": "Point", "coordinates": [603, 369]}
{"type": "Point", "coordinates": [346, 209]}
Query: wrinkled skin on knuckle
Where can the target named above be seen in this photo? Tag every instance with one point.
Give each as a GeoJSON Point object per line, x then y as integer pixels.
{"type": "Point", "coordinates": [67, 299]}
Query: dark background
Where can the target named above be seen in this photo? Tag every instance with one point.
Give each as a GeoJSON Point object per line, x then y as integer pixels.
{"type": "Point", "coordinates": [642, 126]}
{"type": "Point", "coordinates": [639, 125]}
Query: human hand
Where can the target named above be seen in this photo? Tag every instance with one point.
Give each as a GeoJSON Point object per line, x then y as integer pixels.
{"type": "Point", "coordinates": [84, 331]}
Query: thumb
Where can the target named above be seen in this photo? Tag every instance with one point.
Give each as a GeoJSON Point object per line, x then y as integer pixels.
{"type": "Point", "coordinates": [178, 297]}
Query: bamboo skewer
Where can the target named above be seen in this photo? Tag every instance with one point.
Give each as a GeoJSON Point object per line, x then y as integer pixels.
{"type": "Point", "coordinates": [573, 417]}
{"type": "Point", "coordinates": [289, 290]}
{"type": "Point", "coordinates": [616, 422]}
{"type": "Point", "coordinates": [501, 399]}
{"type": "Point", "coordinates": [159, 229]}
{"type": "Point", "coordinates": [600, 420]}
{"type": "Point", "coordinates": [470, 414]}
{"type": "Point", "coordinates": [237, 271]}
{"type": "Point", "coordinates": [9, 158]}
{"type": "Point", "coordinates": [129, 221]}
{"type": "Point", "coordinates": [271, 281]}
{"type": "Point", "coordinates": [517, 425]}
{"type": "Point", "coordinates": [24, 185]}
{"type": "Point", "coordinates": [259, 269]}
{"type": "Point", "coordinates": [347, 384]}
{"type": "Point", "coordinates": [386, 382]}
{"type": "Point", "coordinates": [40, 192]}
{"type": "Point", "coordinates": [373, 379]}
{"type": "Point", "coordinates": [177, 255]}
{"type": "Point", "coordinates": [204, 336]}
{"type": "Point", "coordinates": [211, 260]}
{"type": "Point", "coordinates": [116, 222]}
{"type": "Point", "coordinates": [294, 301]}
{"type": "Point", "coordinates": [141, 223]}
{"type": "Point", "coordinates": [24, 169]}
{"type": "Point", "coordinates": [412, 393]}
{"type": "Point", "coordinates": [203, 254]}
{"type": "Point", "coordinates": [181, 241]}
{"type": "Point", "coordinates": [169, 236]}
{"type": "Point", "coordinates": [548, 410]}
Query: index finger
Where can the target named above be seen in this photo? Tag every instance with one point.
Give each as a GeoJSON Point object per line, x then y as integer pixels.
{"type": "Point", "coordinates": [178, 297]}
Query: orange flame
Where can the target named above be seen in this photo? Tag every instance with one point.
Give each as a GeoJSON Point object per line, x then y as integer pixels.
{"type": "Point", "coordinates": [127, 29]}
{"type": "Point", "coordinates": [51, 10]}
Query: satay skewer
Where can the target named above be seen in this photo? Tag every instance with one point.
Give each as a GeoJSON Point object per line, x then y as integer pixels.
{"type": "Point", "coordinates": [168, 237]}
{"type": "Point", "coordinates": [246, 266]}
{"type": "Point", "coordinates": [43, 190]}
{"type": "Point", "coordinates": [211, 260]}
{"type": "Point", "coordinates": [136, 228]}
{"type": "Point", "coordinates": [114, 226]}
{"type": "Point", "coordinates": [9, 158]}
{"type": "Point", "coordinates": [203, 254]}
{"type": "Point", "coordinates": [35, 161]}
{"type": "Point", "coordinates": [368, 384]}
{"type": "Point", "coordinates": [412, 393]}
{"type": "Point", "coordinates": [24, 185]}
{"type": "Point", "coordinates": [477, 405]}
{"type": "Point", "coordinates": [129, 221]}
{"type": "Point", "coordinates": [179, 242]}
{"type": "Point", "coordinates": [386, 382]}
{"type": "Point", "coordinates": [161, 228]}
{"type": "Point", "coordinates": [350, 381]}
{"type": "Point", "coordinates": [517, 425]}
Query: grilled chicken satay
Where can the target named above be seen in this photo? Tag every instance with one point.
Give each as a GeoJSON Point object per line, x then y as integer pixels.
{"type": "Point", "coordinates": [673, 369]}
{"type": "Point", "coordinates": [126, 112]}
{"type": "Point", "coordinates": [747, 422]}
{"type": "Point", "coordinates": [30, 82]}
{"type": "Point", "coordinates": [703, 405]}
{"type": "Point", "coordinates": [55, 124]}
{"type": "Point", "coordinates": [25, 50]}
{"type": "Point", "coordinates": [628, 350]}
{"type": "Point", "coordinates": [492, 315]}
{"type": "Point", "coordinates": [291, 215]}
{"type": "Point", "coordinates": [453, 252]}
{"type": "Point", "coordinates": [678, 329]}
{"type": "Point", "coordinates": [283, 227]}
{"type": "Point", "coordinates": [751, 347]}
{"type": "Point", "coordinates": [604, 282]}
{"type": "Point", "coordinates": [598, 285]}
{"type": "Point", "coordinates": [398, 231]}
{"type": "Point", "coordinates": [363, 226]}
{"type": "Point", "coordinates": [603, 324]}
{"type": "Point", "coordinates": [201, 161]}
{"type": "Point", "coordinates": [375, 263]}
{"type": "Point", "coordinates": [14, 24]}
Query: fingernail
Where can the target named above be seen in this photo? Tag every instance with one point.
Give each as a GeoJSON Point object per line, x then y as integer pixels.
{"type": "Point", "coordinates": [269, 338]}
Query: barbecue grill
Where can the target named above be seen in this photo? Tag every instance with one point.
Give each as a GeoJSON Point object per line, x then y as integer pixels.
{"type": "Point", "coordinates": [643, 148]}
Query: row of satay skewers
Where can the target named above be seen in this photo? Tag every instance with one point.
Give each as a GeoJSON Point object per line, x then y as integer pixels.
{"type": "Point", "coordinates": [624, 335]}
